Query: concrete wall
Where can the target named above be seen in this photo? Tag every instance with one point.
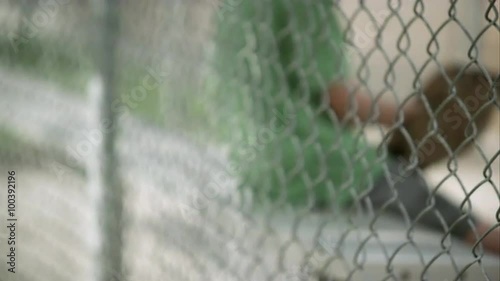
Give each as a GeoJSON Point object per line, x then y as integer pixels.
{"type": "Point", "coordinates": [452, 40]}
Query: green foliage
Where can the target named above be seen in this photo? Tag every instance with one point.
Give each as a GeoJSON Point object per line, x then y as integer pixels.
{"type": "Point", "coordinates": [49, 60]}
{"type": "Point", "coordinates": [71, 69]}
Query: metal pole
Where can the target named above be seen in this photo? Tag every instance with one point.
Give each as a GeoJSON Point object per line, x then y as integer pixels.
{"type": "Point", "coordinates": [106, 189]}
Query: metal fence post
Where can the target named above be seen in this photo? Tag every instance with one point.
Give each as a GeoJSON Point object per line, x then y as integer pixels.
{"type": "Point", "coordinates": [106, 188]}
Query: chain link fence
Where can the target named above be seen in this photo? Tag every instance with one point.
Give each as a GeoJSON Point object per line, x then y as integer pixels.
{"type": "Point", "coordinates": [250, 140]}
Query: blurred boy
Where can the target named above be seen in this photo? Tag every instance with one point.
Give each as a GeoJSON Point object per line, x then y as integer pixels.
{"type": "Point", "coordinates": [282, 57]}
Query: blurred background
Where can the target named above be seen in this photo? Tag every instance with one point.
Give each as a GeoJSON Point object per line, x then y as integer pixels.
{"type": "Point", "coordinates": [60, 58]}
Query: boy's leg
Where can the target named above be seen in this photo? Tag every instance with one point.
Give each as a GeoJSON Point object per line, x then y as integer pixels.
{"type": "Point", "coordinates": [410, 191]}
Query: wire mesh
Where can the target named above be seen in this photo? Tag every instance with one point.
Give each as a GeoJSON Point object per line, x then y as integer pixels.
{"type": "Point", "coordinates": [244, 146]}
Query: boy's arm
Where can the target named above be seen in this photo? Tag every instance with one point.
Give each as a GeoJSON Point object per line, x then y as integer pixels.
{"type": "Point", "coordinates": [342, 105]}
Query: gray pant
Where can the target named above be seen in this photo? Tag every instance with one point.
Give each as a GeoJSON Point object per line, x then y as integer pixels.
{"type": "Point", "coordinates": [396, 191]}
